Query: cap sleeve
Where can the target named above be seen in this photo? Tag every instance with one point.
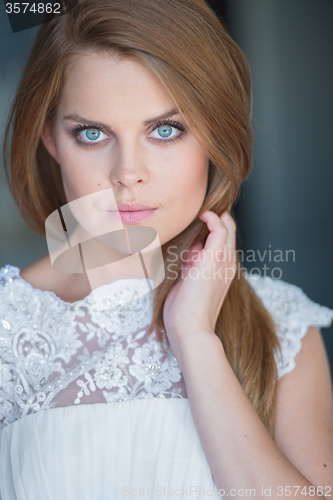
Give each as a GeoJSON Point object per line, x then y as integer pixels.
{"type": "Point", "coordinates": [293, 312]}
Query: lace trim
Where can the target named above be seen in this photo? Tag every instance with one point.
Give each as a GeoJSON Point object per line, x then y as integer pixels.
{"type": "Point", "coordinates": [48, 345]}
{"type": "Point", "coordinates": [293, 313]}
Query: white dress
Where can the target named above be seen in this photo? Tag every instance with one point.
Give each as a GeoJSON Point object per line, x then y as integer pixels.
{"type": "Point", "coordinates": [91, 408]}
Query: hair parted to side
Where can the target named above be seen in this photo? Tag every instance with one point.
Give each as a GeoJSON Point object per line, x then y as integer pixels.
{"type": "Point", "coordinates": [207, 75]}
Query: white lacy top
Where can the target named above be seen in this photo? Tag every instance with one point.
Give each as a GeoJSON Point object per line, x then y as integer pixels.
{"type": "Point", "coordinates": [117, 417]}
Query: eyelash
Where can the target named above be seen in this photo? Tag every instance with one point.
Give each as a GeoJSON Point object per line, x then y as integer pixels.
{"type": "Point", "coordinates": [75, 131]}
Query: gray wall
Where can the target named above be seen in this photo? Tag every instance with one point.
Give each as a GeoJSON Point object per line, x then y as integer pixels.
{"type": "Point", "coordinates": [18, 245]}
{"type": "Point", "coordinates": [287, 202]}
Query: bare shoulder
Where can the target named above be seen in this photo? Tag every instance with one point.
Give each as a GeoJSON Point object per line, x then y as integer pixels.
{"type": "Point", "coordinates": [69, 287]}
{"type": "Point", "coordinates": [304, 413]}
{"type": "Point", "coordinates": [40, 274]}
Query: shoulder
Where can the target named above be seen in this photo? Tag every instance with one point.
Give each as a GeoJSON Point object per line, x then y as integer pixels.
{"type": "Point", "coordinates": [304, 404]}
{"type": "Point", "coordinates": [293, 313]}
{"type": "Point", "coordinates": [285, 301]}
{"type": "Point", "coordinates": [42, 276]}
{"type": "Point", "coordinates": [69, 287]}
{"type": "Point", "coordinates": [23, 297]}
{"type": "Point", "coordinates": [16, 283]}
{"type": "Point", "coordinates": [39, 274]}
{"type": "Point", "coordinates": [304, 412]}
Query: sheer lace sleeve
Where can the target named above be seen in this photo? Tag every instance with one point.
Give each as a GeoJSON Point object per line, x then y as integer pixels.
{"type": "Point", "coordinates": [293, 313]}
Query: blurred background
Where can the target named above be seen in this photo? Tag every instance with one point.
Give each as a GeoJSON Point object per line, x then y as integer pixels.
{"type": "Point", "coordinates": [285, 209]}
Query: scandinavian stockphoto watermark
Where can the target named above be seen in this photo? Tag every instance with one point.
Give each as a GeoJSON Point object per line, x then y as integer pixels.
{"type": "Point", "coordinates": [263, 492]}
{"type": "Point", "coordinates": [185, 492]}
{"type": "Point", "coordinates": [251, 263]}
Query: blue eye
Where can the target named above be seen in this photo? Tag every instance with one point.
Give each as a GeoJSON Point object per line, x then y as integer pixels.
{"type": "Point", "coordinates": [168, 131]}
{"type": "Point", "coordinates": [93, 133]}
{"type": "Point", "coordinates": [88, 136]}
{"type": "Point", "coordinates": [164, 131]}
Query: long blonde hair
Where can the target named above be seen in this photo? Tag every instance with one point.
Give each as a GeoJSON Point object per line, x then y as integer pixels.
{"type": "Point", "coordinates": [207, 75]}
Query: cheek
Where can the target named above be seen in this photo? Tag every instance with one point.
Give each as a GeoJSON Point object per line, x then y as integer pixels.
{"type": "Point", "coordinates": [75, 171]}
{"type": "Point", "coordinates": [72, 181]}
{"type": "Point", "coordinates": [191, 183]}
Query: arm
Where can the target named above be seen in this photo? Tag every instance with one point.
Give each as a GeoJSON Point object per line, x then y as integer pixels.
{"type": "Point", "coordinates": [239, 450]}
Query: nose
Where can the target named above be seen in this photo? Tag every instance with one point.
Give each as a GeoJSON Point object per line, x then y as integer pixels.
{"type": "Point", "coordinates": [128, 166]}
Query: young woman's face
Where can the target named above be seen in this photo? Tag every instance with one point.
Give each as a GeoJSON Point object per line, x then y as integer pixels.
{"type": "Point", "coordinates": [109, 132]}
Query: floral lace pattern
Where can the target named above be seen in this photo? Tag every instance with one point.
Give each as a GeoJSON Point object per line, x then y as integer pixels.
{"type": "Point", "coordinates": [55, 353]}
{"type": "Point", "coordinates": [293, 312]}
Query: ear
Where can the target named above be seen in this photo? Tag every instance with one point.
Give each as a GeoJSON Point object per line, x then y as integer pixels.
{"type": "Point", "coordinates": [48, 140]}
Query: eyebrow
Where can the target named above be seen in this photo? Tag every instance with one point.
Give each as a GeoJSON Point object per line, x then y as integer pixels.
{"type": "Point", "coordinates": [81, 119]}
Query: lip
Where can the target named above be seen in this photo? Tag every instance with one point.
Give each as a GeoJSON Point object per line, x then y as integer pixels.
{"type": "Point", "coordinates": [131, 213]}
{"type": "Point", "coordinates": [131, 207]}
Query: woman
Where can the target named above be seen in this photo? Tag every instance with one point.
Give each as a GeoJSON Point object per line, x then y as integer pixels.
{"type": "Point", "coordinates": [219, 382]}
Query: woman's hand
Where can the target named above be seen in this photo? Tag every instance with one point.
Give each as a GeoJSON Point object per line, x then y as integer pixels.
{"type": "Point", "coordinates": [194, 302]}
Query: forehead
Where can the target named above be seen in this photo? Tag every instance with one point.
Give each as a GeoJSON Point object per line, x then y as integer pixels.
{"type": "Point", "coordinates": [103, 83]}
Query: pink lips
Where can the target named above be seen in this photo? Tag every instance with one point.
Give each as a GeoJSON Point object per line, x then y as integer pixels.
{"type": "Point", "coordinates": [131, 213]}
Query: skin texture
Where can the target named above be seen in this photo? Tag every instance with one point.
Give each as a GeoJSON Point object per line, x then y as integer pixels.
{"type": "Point", "coordinates": [127, 157]}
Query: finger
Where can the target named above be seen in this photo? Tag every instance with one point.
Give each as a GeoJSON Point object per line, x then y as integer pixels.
{"type": "Point", "coordinates": [228, 221]}
{"type": "Point", "coordinates": [218, 231]}
{"type": "Point", "coordinates": [230, 247]}
{"type": "Point", "coordinates": [226, 243]}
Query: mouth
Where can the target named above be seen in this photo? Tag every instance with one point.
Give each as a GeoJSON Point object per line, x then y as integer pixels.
{"type": "Point", "coordinates": [131, 213]}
